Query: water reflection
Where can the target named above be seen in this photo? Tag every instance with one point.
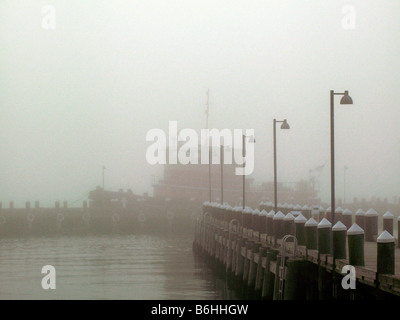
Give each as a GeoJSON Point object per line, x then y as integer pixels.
{"type": "Point", "coordinates": [107, 267]}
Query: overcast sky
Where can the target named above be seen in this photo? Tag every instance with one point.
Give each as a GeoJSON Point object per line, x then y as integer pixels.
{"type": "Point", "coordinates": [85, 94]}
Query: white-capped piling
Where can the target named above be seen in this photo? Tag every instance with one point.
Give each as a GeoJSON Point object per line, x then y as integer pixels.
{"type": "Point", "coordinates": [306, 211]}
{"type": "Point", "coordinates": [328, 214]}
{"type": "Point", "coordinates": [324, 236]}
{"type": "Point", "coordinates": [299, 222]}
{"type": "Point", "coordinates": [321, 213]}
{"type": "Point", "coordinates": [270, 224]}
{"type": "Point", "coordinates": [398, 231]}
{"type": "Point", "coordinates": [288, 224]}
{"type": "Point", "coordinates": [355, 243]}
{"type": "Point", "coordinates": [254, 219]}
{"type": "Point", "coordinates": [339, 231]}
{"type": "Point", "coordinates": [338, 214]}
{"type": "Point", "coordinates": [360, 218]}
{"type": "Point", "coordinates": [371, 225]}
{"type": "Point", "coordinates": [278, 225]}
{"type": "Point", "coordinates": [388, 222]}
{"type": "Point", "coordinates": [296, 213]}
{"type": "Point", "coordinates": [385, 259]}
{"type": "Point", "coordinates": [297, 207]}
{"type": "Point", "coordinates": [263, 222]}
{"type": "Point", "coordinates": [347, 218]}
{"type": "Point", "coordinates": [315, 212]}
{"type": "Point", "coordinates": [311, 234]}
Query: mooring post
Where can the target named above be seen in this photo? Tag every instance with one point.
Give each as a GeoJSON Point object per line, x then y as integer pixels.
{"type": "Point", "coordinates": [321, 213]}
{"type": "Point", "coordinates": [239, 262]}
{"type": "Point", "coordinates": [355, 243]}
{"type": "Point", "coordinates": [339, 231]}
{"type": "Point", "coordinates": [311, 234]}
{"type": "Point", "coordinates": [347, 218]}
{"type": "Point", "coordinates": [306, 211]}
{"type": "Point", "coordinates": [260, 273]}
{"type": "Point", "coordinates": [360, 218]}
{"type": "Point", "coordinates": [262, 228]}
{"type": "Point", "coordinates": [270, 225]}
{"type": "Point", "coordinates": [371, 225]}
{"type": "Point", "coordinates": [288, 225]}
{"type": "Point", "coordinates": [338, 214]}
{"type": "Point", "coordinates": [278, 225]}
{"type": "Point", "coordinates": [300, 229]}
{"type": "Point", "coordinates": [388, 222]}
{"type": "Point", "coordinates": [269, 277]}
{"type": "Point", "coordinates": [253, 271]}
{"type": "Point", "coordinates": [328, 214]}
{"type": "Point", "coordinates": [324, 236]}
{"type": "Point", "coordinates": [246, 267]}
{"type": "Point", "coordinates": [398, 231]}
{"type": "Point", "coordinates": [385, 260]}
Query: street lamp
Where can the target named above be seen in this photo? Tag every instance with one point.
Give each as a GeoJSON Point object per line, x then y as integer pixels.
{"type": "Point", "coordinates": [284, 126]}
{"type": "Point", "coordinates": [252, 140]}
{"type": "Point", "coordinates": [346, 99]}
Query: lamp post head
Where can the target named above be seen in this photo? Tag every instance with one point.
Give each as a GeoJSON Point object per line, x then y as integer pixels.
{"type": "Point", "coordinates": [346, 99]}
{"type": "Point", "coordinates": [285, 125]}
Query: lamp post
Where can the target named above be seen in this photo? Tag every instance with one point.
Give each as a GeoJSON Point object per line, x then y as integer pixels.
{"type": "Point", "coordinates": [222, 172]}
{"type": "Point", "coordinates": [346, 99]}
{"type": "Point", "coordinates": [104, 168]}
{"type": "Point", "coordinates": [251, 139]}
{"type": "Point", "coordinates": [344, 184]}
{"type": "Point", "coordinates": [284, 126]}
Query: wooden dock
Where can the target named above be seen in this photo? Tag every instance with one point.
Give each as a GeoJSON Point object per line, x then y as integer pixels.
{"type": "Point", "coordinates": [236, 247]}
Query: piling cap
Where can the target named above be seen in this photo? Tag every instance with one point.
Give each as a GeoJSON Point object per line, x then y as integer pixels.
{"type": "Point", "coordinates": [388, 215]}
{"type": "Point", "coordinates": [306, 207]}
{"type": "Point", "coordinates": [296, 213]}
{"type": "Point", "coordinates": [371, 213]}
{"type": "Point", "coordinates": [248, 210]}
{"type": "Point", "coordinates": [328, 209]}
{"type": "Point", "coordinates": [279, 216]}
{"type": "Point", "coordinates": [321, 208]}
{"type": "Point", "coordinates": [385, 237]}
{"type": "Point", "coordinates": [300, 219]}
{"type": "Point", "coordinates": [339, 227]}
{"type": "Point", "coordinates": [346, 212]}
{"type": "Point", "coordinates": [311, 223]}
{"type": "Point", "coordinates": [256, 212]}
{"type": "Point", "coordinates": [289, 217]}
{"type": "Point", "coordinates": [339, 210]}
{"type": "Point", "coordinates": [271, 214]}
{"type": "Point", "coordinates": [360, 212]}
{"type": "Point", "coordinates": [263, 212]}
{"type": "Point", "coordinates": [355, 229]}
{"type": "Point", "coordinates": [324, 224]}
{"type": "Point", "coordinates": [297, 207]}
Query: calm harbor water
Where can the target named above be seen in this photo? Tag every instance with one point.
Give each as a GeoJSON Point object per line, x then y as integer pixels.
{"type": "Point", "coordinates": [106, 267]}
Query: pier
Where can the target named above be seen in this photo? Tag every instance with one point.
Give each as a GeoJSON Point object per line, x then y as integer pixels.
{"type": "Point", "coordinates": [298, 254]}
